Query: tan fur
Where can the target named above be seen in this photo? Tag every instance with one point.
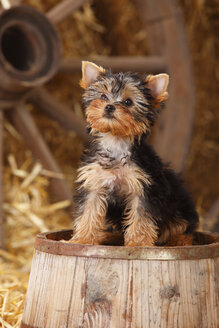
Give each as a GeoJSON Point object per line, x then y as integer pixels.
{"type": "Point", "coordinates": [180, 240]}
{"type": "Point", "coordinates": [150, 79]}
{"type": "Point", "coordinates": [83, 83]}
{"type": "Point", "coordinates": [114, 237]}
{"type": "Point", "coordinates": [140, 231]}
{"type": "Point", "coordinates": [123, 124]}
{"type": "Point", "coordinates": [158, 99]}
{"type": "Point", "coordinates": [128, 179]}
{"type": "Point", "coordinates": [90, 226]}
{"type": "Point", "coordinates": [171, 229]}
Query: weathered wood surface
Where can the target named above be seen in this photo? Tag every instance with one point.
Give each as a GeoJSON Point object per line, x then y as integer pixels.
{"type": "Point", "coordinates": [149, 64]}
{"type": "Point", "coordinates": [93, 291]}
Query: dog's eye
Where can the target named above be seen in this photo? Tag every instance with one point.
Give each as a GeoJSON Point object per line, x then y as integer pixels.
{"type": "Point", "coordinates": [103, 96]}
{"type": "Point", "coordinates": [128, 102]}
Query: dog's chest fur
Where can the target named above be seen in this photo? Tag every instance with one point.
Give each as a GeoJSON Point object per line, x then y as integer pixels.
{"type": "Point", "coordinates": [113, 151]}
{"type": "Point", "coordinates": [114, 160]}
{"type": "Point", "coordinates": [113, 170]}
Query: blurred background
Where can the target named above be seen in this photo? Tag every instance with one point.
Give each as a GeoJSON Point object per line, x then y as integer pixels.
{"type": "Point", "coordinates": [111, 28]}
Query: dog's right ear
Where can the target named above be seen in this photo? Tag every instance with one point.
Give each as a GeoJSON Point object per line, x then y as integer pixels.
{"type": "Point", "coordinates": [90, 72]}
{"type": "Point", "coordinates": [157, 84]}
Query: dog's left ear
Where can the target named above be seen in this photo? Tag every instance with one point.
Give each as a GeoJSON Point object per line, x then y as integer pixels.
{"type": "Point", "coordinates": [90, 73]}
{"type": "Point", "coordinates": [157, 84]}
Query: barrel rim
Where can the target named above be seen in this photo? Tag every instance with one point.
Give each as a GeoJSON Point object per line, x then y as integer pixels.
{"type": "Point", "coordinates": [57, 247]}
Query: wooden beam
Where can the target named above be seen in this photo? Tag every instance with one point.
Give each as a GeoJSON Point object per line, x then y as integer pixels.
{"type": "Point", "coordinates": [59, 112]}
{"type": "Point", "coordinates": [26, 126]}
{"type": "Point", "coordinates": [1, 181]}
{"type": "Point", "coordinates": [63, 9]}
{"type": "Point", "coordinates": [145, 64]}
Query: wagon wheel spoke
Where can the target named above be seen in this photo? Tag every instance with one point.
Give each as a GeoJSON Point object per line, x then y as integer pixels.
{"type": "Point", "coordinates": [22, 120]}
{"type": "Point", "coordinates": [63, 9]}
{"type": "Point", "coordinates": [58, 112]}
{"type": "Point", "coordinates": [149, 64]}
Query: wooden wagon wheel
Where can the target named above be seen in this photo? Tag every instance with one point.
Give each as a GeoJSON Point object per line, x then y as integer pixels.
{"type": "Point", "coordinates": [169, 53]}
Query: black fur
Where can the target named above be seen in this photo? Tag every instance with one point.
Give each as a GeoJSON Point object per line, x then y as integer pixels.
{"type": "Point", "coordinates": [166, 199]}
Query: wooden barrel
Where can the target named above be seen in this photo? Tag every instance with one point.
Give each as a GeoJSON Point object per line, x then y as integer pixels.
{"type": "Point", "coordinates": [122, 287]}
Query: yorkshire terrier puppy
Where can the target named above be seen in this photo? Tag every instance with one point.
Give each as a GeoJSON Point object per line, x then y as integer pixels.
{"type": "Point", "coordinates": [121, 181]}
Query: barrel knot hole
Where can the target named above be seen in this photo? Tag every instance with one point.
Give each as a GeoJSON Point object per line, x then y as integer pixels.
{"type": "Point", "coordinates": [169, 292]}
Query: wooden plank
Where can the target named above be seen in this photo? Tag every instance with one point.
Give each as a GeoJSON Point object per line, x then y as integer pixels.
{"type": "Point", "coordinates": [1, 181]}
{"type": "Point", "coordinates": [63, 10]}
{"type": "Point", "coordinates": [58, 112]}
{"type": "Point", "coordinates": [149, 64]}
{"type": "Point", "coordinates": [55, 303]}
{"type": "Point", "coordinates": [24, 123]}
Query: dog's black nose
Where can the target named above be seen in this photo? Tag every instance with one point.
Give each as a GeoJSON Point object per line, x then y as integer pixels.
{"type": "Point", "coordinates": [109, 109]}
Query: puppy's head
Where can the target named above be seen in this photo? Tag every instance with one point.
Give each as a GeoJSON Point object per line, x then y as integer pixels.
{"type": "Point", "coordinates": [123, 104]}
